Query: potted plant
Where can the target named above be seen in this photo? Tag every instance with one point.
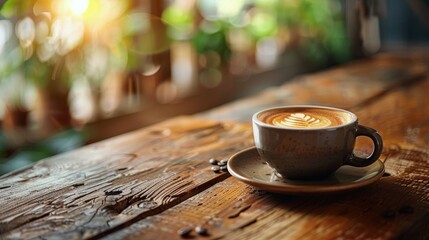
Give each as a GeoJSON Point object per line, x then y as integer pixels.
{"type": "Point", "coordinates": [35, 50]}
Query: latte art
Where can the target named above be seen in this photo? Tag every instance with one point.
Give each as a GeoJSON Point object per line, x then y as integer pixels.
{"type": "Point", "coordinates": [305, 117]}
{"type": "Point", "coordinates": [300, 120]}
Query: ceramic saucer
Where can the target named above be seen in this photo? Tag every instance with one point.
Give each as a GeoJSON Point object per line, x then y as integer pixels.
{"type": "Point", "coordinates": [248, 167]}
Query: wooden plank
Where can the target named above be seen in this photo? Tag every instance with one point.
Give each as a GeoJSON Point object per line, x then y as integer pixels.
{"type": "Point", "coordinates": [344, 87]}
{"type": "Point", "coordinates": [396, 206]}
{"type": "Point", "coordinates": [233, 210]}
{"type": "Point", "coordinates": [400, 117]}
{"type": "Point", "coordinates": [86, 192]}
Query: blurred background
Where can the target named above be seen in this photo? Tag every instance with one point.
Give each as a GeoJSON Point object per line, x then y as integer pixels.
{"type": "Point", "coordinates": [73, 72]}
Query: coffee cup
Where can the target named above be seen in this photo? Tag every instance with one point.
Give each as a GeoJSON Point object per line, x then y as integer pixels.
{"type": "Point", "coordinates": [310, 142]}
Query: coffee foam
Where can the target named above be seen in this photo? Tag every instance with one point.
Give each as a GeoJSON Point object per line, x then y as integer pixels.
{"type": "Point", "coordinates": [305, 117]}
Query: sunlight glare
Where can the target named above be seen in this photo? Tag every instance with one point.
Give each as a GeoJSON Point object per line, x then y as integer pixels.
{"type": "Point", "coordinates": [78, 7]}
{"type": "Point", "coordinates": [70, 7]}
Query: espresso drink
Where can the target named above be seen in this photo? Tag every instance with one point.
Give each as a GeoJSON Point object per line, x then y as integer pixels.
{"type": "Point", "coordinates": [310, 142]}
{"type": "Point", "coordinates": [305, 117]}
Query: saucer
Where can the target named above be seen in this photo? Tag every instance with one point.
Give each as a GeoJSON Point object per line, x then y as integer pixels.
{"type": "Point", "coordinates": [248, 167]}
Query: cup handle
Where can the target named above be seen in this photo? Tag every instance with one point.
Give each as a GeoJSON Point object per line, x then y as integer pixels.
{"type": "Point", "coordinates": [378, 147]}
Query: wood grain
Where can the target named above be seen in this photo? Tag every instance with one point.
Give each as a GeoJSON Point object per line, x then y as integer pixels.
{"type": "Point", "coordinates": [150, 183]}
{"type": "Point", "coordinates": [395, 207]}
{"type": "Point", "coordinates": [86, 192]}
{"type": "Point", "coordinates": [233, 210]}
{"type": "Point", "coordinates": [345, 87]}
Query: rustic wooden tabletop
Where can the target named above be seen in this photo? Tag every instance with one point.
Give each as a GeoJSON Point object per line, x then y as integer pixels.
{"type": "Point", "coordinates": [151, 183]}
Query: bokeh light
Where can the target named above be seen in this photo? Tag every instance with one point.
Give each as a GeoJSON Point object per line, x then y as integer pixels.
{"type": "Point", "coordinates": [220, 9]}
{"type": "Point", "coordinates": [67, 7]}
{"type": "Point", "coordinates": [113, 57]}
{"type": "Point", "coordinates": [5, 33]}
{"type": "Point", "coordinates": [67, 34]}
{"type": "Point", "coordinates": [78, 6]}
{"type": "Point", "coordinates": [26, 31]}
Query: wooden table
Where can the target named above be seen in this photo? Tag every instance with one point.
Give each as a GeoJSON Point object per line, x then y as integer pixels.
{"type": "Point", "coordinates": [150, 183]}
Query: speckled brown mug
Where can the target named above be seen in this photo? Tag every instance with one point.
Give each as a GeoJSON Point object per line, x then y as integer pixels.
{"type": "Point", "coordinates": [310, 142]}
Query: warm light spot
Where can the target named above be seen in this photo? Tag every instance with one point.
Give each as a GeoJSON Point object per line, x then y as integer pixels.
{"type": "Point", "coordinates": [67, 34]}
{"type": "Point", "coordinates": [67, 7]}
{"type": "Point", "coordinates": [150, 69]}
{"type": "Point", "coordinates": [78, 6]}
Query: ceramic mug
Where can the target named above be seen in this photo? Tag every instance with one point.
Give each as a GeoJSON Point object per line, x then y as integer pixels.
{"type": "Point", "coordinates": [310, 142]}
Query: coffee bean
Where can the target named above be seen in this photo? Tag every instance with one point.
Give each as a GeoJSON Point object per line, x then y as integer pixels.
{"type": "Point", "coordinates": [221, 163]}
{"type": "Point", "coordinates": [389, 214]}
{"type": "Point", "coordinates": [224, 161]}
{"type": "Point", "coordinates": [213, 161]}
{"type": "Point", "coordinates": [185, 232]}
{"type": "Point", "coordinates": [406, 209]}
{"type": "Point", "coordinates": [201, 230]}
{"type": "Point", "coordinates": [216, 169]}
{"type": "Point", "coordinates": [224, 168]}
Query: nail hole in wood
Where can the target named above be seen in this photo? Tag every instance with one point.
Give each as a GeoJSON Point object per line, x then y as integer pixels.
{"type": "Point", "coordinates": [113, 192]}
